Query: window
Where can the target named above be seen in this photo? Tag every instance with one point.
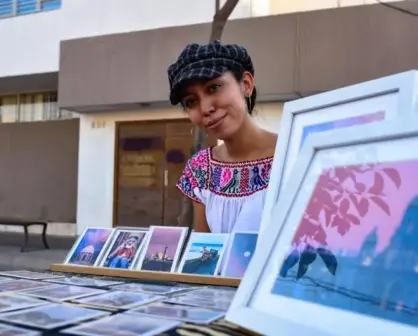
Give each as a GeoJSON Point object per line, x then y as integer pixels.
{"type": "Point", "coordinates": [6, 8]}
{"type": "Point", "coordinates": [50, 5]}
{"type": "Point", "coordinates": [26, 7]}
{"type": "Point", "coordinates": [32, 107]}
{"type": "Point", "coordinates": [20, 7]}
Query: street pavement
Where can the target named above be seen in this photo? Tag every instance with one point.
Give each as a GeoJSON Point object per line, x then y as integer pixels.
{"type": "Point", "coordinates": [37, 258]}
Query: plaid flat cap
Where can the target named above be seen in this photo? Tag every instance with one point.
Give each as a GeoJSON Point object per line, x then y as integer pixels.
{"type": "Point", "coordinates": [206, 61]}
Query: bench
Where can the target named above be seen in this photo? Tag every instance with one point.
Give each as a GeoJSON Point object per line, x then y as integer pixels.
{"type": "Point", "coordinates": [25, 223]}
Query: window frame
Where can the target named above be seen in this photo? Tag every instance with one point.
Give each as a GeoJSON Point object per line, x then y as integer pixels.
{"type": "Point", "coordinates": [38, 8]}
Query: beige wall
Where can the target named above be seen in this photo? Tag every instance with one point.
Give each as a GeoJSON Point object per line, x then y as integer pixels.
{"type": "Point", "coordinates": [38, 161]}
{"type": "Point", "coordinates": [268, 116]}
{"type": "Point", "coordinates": [286, 6]}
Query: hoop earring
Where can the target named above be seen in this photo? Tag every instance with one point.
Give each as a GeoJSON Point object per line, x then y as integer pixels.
{"type": "Point", "coordinates": [248, 103]}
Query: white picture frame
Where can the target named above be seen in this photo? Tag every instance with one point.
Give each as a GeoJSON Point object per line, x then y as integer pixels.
{"type": "Point", "coordinates": [202, 238]}
{"type": "Point", "coordinates": [228, 251]}
{"type": "Point", "coordinates": [80, 238]}
{"type": "Point", "coordinates": [140, 258]}
{"type": "Point", "coordinates": [113, 240]}
{"type": "Point", "coordinates": [394, 95]}
{"type": "Point", "coordinates": [254, 307]}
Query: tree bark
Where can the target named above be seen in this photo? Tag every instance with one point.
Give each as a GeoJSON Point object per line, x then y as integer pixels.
{"type": "Point", "coordinates": [220, 18]}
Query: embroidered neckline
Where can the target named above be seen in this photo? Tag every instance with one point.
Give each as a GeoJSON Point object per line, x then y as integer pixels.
{"type": "Point", "coordinates": [238, 163]}
{"type": "Point", "coordinates": [230, 179]}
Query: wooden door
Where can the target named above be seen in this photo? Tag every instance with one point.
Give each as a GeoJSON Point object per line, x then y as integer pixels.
{"type": "Point", "coordinates": [178, 144]}
{"type": "Point", "coordinates": [150, 160]}
{"type": "Point", "coordinates": [140, 175]}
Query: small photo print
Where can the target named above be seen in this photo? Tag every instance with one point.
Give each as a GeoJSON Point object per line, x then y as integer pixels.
{"type": "Point", "coordinates": [148, 288]}
{"type": "Point", "coordinates": [22, 285]}
{"type": "Point", "coordinates": [182, 313]}
{"type": "Point", "coordinates": [63, 293]}
{"type": "Point", "coordinates": [89, 247]}
{"type": "Point", "coordinates": [203, 302]}
{"type": "Point", "coordinates": [90, 282]}
{"type": "Point", "coordinates": [118, 300]}
{"type": "Point", "coordinates": [162, 248]}
{"type": "Point", "coordinates": [203, 254]}
{"type": "Point", "coordinates": [7, 330]}
{"type": "Point", "coordinates": [211, 293]}
{"type": "Point", "coordinates": [240, 251]}
{"type": "Point", "coordinates": [124, 325]}
{"type": "Point", "coordinates": [10, 302]}
{"type": "Point", "coordinates": [29, 275]}
{"type": "Point", "coordinates": [51, 316]}
{"type": "Point", "coordinates": [4, 279]}
{"type": "Point", "coordinates": [123, 249]}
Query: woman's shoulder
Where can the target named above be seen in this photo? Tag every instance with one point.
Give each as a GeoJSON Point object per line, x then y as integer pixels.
{"type": "Point", "coordinates": [200, 159]}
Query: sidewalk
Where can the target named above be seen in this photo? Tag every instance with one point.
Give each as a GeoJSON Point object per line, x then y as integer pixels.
{"type": "Point", "coordinates": [34, 260]}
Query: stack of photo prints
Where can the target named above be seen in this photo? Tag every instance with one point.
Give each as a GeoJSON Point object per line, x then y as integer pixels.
{"type": "Point", "coordinates": [165, 249]}
{"type": "Point", "coordinates": [33, 303]}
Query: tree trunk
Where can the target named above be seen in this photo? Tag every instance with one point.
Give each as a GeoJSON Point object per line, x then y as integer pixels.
{"type": "Point", "coordinates": [218, 24]}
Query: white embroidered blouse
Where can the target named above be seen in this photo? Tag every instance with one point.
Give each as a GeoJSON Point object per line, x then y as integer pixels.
{"type": "Point", "coordinates": [233, 192]}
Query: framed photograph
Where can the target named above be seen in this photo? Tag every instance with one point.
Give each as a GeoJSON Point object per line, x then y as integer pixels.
{"type": "Point", "coordinates": [240, 250]}
{"type": "Point", "coordinates": [374, 101]}
{"type": "Point", "coordinates": [84, 281]}
{"type": "Point", "coordinates": [341, 254]}
{"type": "Point", "coordinates": [89, 247]}
{"type": "Point", "coordinates": [10, 302]}
{"type": "Point", "coordinates": [123, 325]}
{"type": "Point", "coordinates": [119, 300]}
{"type": "Point", "coordinates": [22, 285]}
{"type": "Point", "coordinates": [203, 254]}
{"type": "Point", "coordinates": [51, 316]}
{"type": "Point", "coordinates": [8, 330]}
{"type": "Point", "coordinates": [179, 312]}
{"type": "Point", "coordinates": [124, 247]}
{"type": "Point", "coordinates": [29, 275]}
{"type": "Point", "coordinates": [149, 288]}
{"type": "Point", "coordinates": [63, 293]}
{"type": "Point", "coordinates": [162, 249]}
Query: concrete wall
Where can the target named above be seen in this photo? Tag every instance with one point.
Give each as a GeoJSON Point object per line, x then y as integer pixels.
{"type": "Point", "coordinates": [305, 53]}
{"type": "Point", "coordinates": [38, 165]}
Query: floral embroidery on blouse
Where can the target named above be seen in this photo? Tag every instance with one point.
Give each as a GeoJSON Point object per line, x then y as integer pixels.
{"type": "Point", "coordinates": [230, 179]}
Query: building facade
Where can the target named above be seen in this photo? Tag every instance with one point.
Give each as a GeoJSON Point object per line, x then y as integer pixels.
{"type": "Point", "coordinates": [87, 79]}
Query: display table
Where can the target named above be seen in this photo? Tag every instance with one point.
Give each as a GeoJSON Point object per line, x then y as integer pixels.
{"type": "Point", "coordinates": [220, 327]}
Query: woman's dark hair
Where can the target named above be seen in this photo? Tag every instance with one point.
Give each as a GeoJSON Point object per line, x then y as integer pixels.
{"type": "Point", "coordinates": [238, 73]}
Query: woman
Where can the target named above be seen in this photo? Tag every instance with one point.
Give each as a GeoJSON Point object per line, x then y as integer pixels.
{"type": "Point", "coordinates": [215, 85]}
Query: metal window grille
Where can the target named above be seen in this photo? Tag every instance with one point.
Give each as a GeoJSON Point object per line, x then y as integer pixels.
{"type": "Point", "coordinates": [32, 107]}
{"type": "Point", "coordinates": [10, 8]}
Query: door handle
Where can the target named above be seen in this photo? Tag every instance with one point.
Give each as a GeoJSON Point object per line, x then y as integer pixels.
{"type": "Point", "coordinates": [165, 178]}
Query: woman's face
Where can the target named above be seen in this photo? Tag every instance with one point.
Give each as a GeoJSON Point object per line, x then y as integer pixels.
{"type": "Point", "coordinates": [218, 106]}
